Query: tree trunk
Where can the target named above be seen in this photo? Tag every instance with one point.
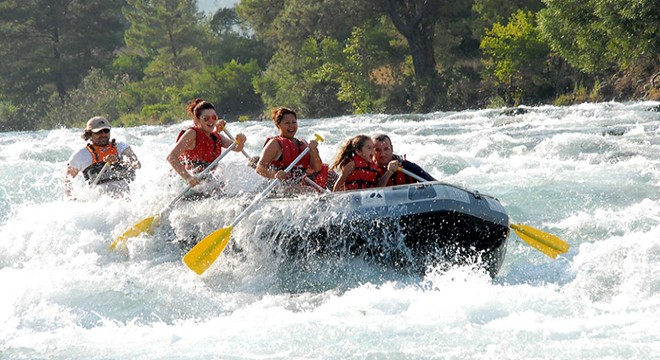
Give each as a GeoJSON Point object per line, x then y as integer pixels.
{"type": "Point", "coordinates": [415, 20]}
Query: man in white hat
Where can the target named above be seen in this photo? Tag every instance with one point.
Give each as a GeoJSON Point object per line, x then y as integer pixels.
{"type": "Point", "coordinates": [101, 150]}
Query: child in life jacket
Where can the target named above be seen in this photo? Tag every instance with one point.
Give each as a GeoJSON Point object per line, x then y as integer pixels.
{"type": "Point", "coordinates": [355, 164]}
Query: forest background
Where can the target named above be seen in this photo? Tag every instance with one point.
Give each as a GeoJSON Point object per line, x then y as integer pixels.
{"type": "Point", "coordinates": [140, 61]}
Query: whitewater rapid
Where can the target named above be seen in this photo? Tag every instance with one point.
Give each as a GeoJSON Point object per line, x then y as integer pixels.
{"type": "Point", "coordinates": [589, 174]}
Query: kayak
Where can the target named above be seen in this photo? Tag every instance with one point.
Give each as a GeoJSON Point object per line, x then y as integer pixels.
{"type": "Point", "coordinates": [408, 227]}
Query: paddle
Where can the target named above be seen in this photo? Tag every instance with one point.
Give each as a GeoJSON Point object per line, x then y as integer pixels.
{"type": "Point", "coordinates": [309, 181]}
{"type": "Point", "coordinates": [232, 139]}
{"type": "Point", "coordinates": [202, 255]}
{"type": "Point", "coordinates": [540, 240]}
{"type": "Point", "coordinates": [98, 177]}
{"type": "Point", "coordinates": [316, 186]}
{"type": "Point", "coordinates": [149, 224]}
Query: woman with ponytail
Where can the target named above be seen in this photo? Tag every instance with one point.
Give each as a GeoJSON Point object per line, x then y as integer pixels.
{"type": "Point", "coordinates": [198, 146]}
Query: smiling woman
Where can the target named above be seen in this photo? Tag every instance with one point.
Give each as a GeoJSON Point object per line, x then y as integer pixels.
{"type": "Point", "coordinates": [198, 146]}
{"type": "Point", "coordinates": [280, 151]}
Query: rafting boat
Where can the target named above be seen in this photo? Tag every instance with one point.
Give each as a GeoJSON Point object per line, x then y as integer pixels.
{"type": "Point", "coordinates": [409, 227]}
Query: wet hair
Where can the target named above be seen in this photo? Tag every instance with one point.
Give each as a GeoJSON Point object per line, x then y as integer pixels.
{"type": "Point", "coordinates": [349, 150]}
{"type": "Point", "coordinates": [197, 106]}
{"type": "Point", "coordinates": [382, 137]}
{"type": "Point", "coordinates": [86, 135]}
{"type": "Point", "coordinates": [279, 113]}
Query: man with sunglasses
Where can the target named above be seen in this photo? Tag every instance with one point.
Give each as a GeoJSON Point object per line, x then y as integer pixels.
{"type": "Point", "coordinates": [93, 157]}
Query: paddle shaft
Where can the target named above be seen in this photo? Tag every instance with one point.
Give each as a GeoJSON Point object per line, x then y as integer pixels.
{"type": "Point", "coordinates": [315, 185]}
{"type": "Point", "coordinates": [309, 181]}
{"type": "Point", "coordinates": [232, 139]}
{"type": "Point", "coordinates": [267, 190]}
{"type": "Point", "coordinates": [148, 224]}
{"type": "Point", "coordinates": [204, 172]}
{"type": "Point", "coordinates": [98, 177]}
{"type": "Point", "coordinates": [412, 175]}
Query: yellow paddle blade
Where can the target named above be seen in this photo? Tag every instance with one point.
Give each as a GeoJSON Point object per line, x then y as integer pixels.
{"type": "Point", "coordinates": [202, 255]}
{"type": "Point", "coordinates": [540, 240]}
{"type": "Point", "coordinates": [147, 225]}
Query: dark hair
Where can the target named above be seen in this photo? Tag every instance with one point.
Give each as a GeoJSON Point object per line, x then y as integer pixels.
{"type": "Point", "coordinates": [382, 137]}
{"type": "Point", "coordinates": [349, 150]}
{"type": "Point", "coordinates": [198, 105]}
{"type": "Point", "coordinates": [86, 135]}
{"type": "Point", "coordinates": [278, 114]}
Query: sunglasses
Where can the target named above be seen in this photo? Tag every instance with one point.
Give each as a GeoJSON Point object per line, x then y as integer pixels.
{"type": "Point", "coordinates": [209, 117]}
{"type": "Point", "coordinates": [104, 131]}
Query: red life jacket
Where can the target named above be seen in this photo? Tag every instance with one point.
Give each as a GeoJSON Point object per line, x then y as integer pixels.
{"type": "Point", "coordinates": [321, 177]}
{"type": "Point", "coordinates": [115, 171]}
{"type": "Point", "coordinates": [206, 150]}
{"type": "Point", "coordinates": [364, 175]}
{"type": "Point", "coordinates": [398, 178]}
{"type": "Point", "coordinates": [290, 151]}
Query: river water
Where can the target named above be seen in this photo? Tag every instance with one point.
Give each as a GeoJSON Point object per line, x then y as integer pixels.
{"type": "Point", "coordinates": [589, 174]}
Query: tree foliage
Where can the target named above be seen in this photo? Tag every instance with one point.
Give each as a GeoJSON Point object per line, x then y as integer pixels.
{"type": "Point", "coordinates": [97, 94]}
{"type": "Point", "coordinates": [141, 60]}
{"type": "Point", "coordinates": [516, 51]}
{"type": "Point", "coordinates": [47, 46]}
{"type": "Point", "coordinates": [164, 29]}
{"type": "Point", "coordinates": [601, 35]}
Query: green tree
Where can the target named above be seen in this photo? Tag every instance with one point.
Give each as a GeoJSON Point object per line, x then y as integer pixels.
{"type": "Point", "coordinates": [162, 29]}
{"type": "Point", "coordinates": [517, 53]}
{"type": "Point", "coordinates": [287, 24]}
{"type": "Point", "coordinates": [162, 52]}
{"type": "Point", "coordinates": [228, 86]}
{"type": "Point", "coordinates": [48, 46]}
{"type": "Point", "coordinates": [597, 36]}
{"type": "Point", "coordinates": [97, 94]}
{"type": "Point", "coordinates": [291, 79]}
{"type": "Point", "coordinates": [291, 22]}
{"type": "Point", "coordinates": [417, 21]}
{"type": "Point", "coordinates": [490, 12]}
{"type": "Point", "coordinates": [232, 39]}
{"type": "Point", "coordinates": [367, 67]}
{"type": "Point", "coordinates": [294, 29]}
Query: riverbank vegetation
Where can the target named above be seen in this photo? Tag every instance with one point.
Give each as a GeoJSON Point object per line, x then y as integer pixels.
{"type": "Point", "coordinates": [139, 61]}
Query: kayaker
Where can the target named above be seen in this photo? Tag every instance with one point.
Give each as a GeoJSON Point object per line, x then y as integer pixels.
{"type": "Point", "coordinates": [100, 149]}
{"type": "Point", "coordinates": [198, 146]}
{"type": "Point", "coordinates": [280, 151]}
{"type": "Point", "coordinates": [387, 164]}
{"type": "Point", "coordinates": [355, 162]}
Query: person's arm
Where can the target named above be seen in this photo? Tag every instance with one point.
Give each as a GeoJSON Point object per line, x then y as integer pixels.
{"type": "Point", "coordinates": [271, 152]}
{"type": "Point", "coordinates": [71, 173]}
{"type": "Point", "coordinates": [392, 167]}
{"type": "Point", "coordinates": [315, 163]}
{"type": "Point", "coordinates": [340, 185]}
{"type": "Point", "coordinates": [186, 142]}
{"type": "Point", "coordinates": [417, 170]}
